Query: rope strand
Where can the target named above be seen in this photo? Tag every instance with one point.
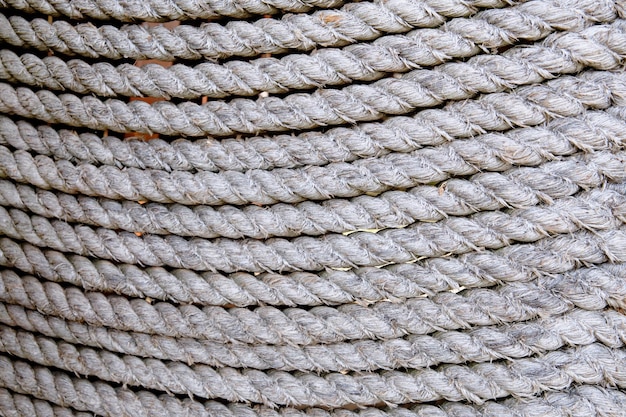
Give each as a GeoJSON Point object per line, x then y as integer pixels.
{"type": "Point", "coordinates": [477, 383]}
{"type": "Point", "coordinates": [577, 401]}
{"type": "Point", "coordinates": [455, 235]}
{"type": "Point", "coordinates": [484, 344]}
{"type": "Point", "coordinates": [268, 325]}
{"type": "Point", "coordinates": [515, 263]}
{"type": "Point", "coordinates": [354, 22]}
{"type": "Point", "coordinates": [599, 47]}
{"type": "Point", "coordinates": [529, 146]}
{"type": "Point", "coordinates": [526, 106]}
{"type": "Point", "coordinates": [459, 38]}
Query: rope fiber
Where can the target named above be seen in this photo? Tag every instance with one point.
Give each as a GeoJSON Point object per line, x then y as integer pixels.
{"type": "Point", "coordinates": [312, 208]}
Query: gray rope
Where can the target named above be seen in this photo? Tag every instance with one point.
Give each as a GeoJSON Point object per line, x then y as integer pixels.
{"type": "Point", "coordinates": [525, 106]}
{"type": "Point", "coordinates": [154, 11]}
{"type": "Point", "coordinates": [354, 22]}
{"type": "Point", "coordinates": [600, 47]}
{"type": "Point", "coordinates": [530, 146]}
{"type": "Point", "coordinates": [477, 383]}
{"type": "Point", "coordinates": [576, 401]}
{"type": "Point", "coordinates": [268, 325]}
{"type": "Point", "coordinates": [18, 405]}
{"type": "Point", "coordinates": [484, 344]}
{"type": "Point", "coordinates": [162, 375]}
{"type": "Point", "coordinates": [515, 263]}
{"type": "Point", "coordinates": [260, 187]}
{"type": "Point", "coordinates": [459, 38]}
{"type": "Point", "coordinates": [455, 235]}
{"type": "Point", "coordinates": [158, 11]}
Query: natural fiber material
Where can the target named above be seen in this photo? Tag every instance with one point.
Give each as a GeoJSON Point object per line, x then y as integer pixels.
{"type": "Point", "coordinates": [316, 208]}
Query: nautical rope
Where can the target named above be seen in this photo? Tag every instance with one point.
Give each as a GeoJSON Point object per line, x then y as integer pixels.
{"type": "Point", "coordinates": [455, 235]}
{"type": "Point", "coordinates": [477, 383]}
{"type": "Point", "coordinates": [582, 400]}
{"type": "Point", "coordinates": [353, 22]}
{"type": "Point", "coordinates": [578, 401]}
{"type": "Point", "coordinates": [515, 263]}
{"type": "Point", "coordinates": [525, 106]}
{"type": "Point", "coordinates": [460, 38]}
{"type": "Point", "coordinates": [153, 11]}
{"type": "Point", "coordinates": [270, 325]}
{"type": "Point", "coordinates": [391, 209]}
{"type": "Point", "coordinates": [312, 208]}
{"type": "Point", "coordinates": [417, 89]}
{"type": "Point", "coordinates": [157, 374]}
{"type": "Point", "coordinates": [484, 344]}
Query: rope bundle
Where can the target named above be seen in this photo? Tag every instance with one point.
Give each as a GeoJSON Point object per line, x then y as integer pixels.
{"type": "Point", "coordinates": [313, 208]}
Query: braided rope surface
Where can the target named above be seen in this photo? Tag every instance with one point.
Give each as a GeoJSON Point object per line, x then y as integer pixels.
{"type": "Point", "coordinates": [313, 208]}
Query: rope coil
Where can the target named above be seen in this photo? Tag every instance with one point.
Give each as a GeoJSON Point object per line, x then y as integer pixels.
{"type": "Point", "coordinates": [315, 208]}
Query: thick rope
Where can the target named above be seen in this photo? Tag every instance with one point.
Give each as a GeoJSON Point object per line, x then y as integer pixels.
{"type": "Point", "coordinates": [18, 405]}
{"type": "Point", "coordinates": [455, 235]}
{"type": "Point", "coordinates": [459, 38]}
{"type": "Point", "coordinates": [152, 373]}
{"type": "Point", "coordinates": [269, 325]}
{"type": "Point", "coordinates": [403, 208]}
{"type": "Point", "coordinates": [530, 146]}
{"type": "Point", "coordinates": [476, 383]}
{"type": "Point", "coordinates": [577, 401]}
{"type": "Point", "coordinates": [599, 47]}
{"type": "Point", "coordinates": [526, 106]}
{"type": "Point", "coordinates": [354, 22]}
{"type": "Point", "coordinates": [155, 11]}
{"type": "Point", "coordinates": [260, 187]}
{"type": "Point", "coordinates": [484, 344]}
{"type": "Point", "coordinates": [515, 263]}
{"type": "Point", "coordinates": [159, 11]}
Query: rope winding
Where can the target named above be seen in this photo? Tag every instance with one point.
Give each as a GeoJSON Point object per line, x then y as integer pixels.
{"type": "Point", "coordinates": [460, 38]}
{"type": "Point", "coordinates": [414, 90]}
{"type": "Point", "coordinates": [400, 208]}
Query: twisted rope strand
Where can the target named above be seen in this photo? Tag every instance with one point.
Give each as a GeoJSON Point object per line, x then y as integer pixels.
{"type": "Point", "coordinates": [484, 344]}
{"type": "Point", "coordinates": [515, 263]}
{"type": "Point", "coordinates": [162, 375]}
{"type": "Point", "coordinates": [525, 106]}
{"type": "Point", "coordinates": [476, 383]}
{"type": "Point", "coordinates": [338, 180]}
{"type": "Point", "coordinates": [576, 401]}
{"type": "Point", "coordinates": [268, 325]}
{"type": "Point", "coordinates": [354, 22]}
{"type": "Point", "coordinates": [455, 235]}
{"type": "Point", "coordinates": [158, 11]}
{"type": "Point", "coordinates": [529, 146]}
{"type": "Point", "coordinates": [18, 405]}
{"type": "Point", "coordinates": [600, 47]}
{"type": "Point", "coordinates": [460, 38]}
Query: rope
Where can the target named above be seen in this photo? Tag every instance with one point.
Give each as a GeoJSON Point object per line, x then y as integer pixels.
{"type": "Point", "coordinates": [455, 235]}
{"type": "Point", "coordinates": [485, 344]}
{"type": "Point", "coordinates": [460, 38]}
{"type": "Point", "coordinates": [486, 152]}
{"type": "Point", "coordinates": [316, 208]}
{"type": "Point", "coordinates": [417, 89]}
{"type": "Point", "coordinates": [153, 11]}
{"type": "Point", "coordinates": [382, 320]}
{"type": "Point", "coordinates": [353, 22]}
{"type": "Point", "coordinates": [525, 106]}
{"type": "Point", "coordinates": [583, 399]}
{"type": "Point", "coordinates": [555, 370]}
{"type": "Point", "coordinates": [515, 263]}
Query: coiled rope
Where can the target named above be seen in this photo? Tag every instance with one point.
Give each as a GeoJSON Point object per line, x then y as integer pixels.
{"type": "Point", "coordinates": [313, 208]}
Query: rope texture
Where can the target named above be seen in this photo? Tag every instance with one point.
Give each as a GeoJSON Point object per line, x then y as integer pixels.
{"type": "Point", "coordinates": [460, 38]}
{"type": "Point", "coordinates": [402, 208]}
